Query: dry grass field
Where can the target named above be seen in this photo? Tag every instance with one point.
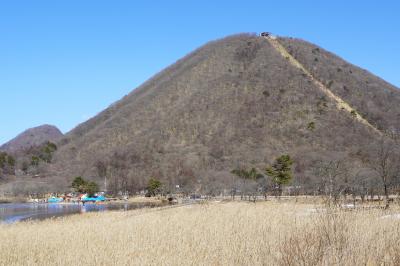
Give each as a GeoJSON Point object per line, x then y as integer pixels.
{"type": "Point", "coordinates": [265, 233]}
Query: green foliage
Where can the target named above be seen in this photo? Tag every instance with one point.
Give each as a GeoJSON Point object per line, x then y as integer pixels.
{"type": "Point", "coordinates": [251, 174]}
{"type": "Point", "coordinates": [79, 184]}
{"type": "Point", "coordinates": [246, 175]}
{"type": "Point", "coordinates": [10, 161]}
{"type": "Point", "coordinates": [7, 163]}
{"type": "Point", "coordinates": [51, 147]}
{"type": "Point", "coordinates": [311, 126]}
{"type": "Point", "coordinates": [91, 188]}
{"type": "Point", "coordinates": [280, 171]}
{"type": "Point", "coordinates": [241, 173]}
{"type": "Point", "coordinates": [82, 186]}
{"type": "Point", "coordinates": [35, 161]}
{"type": "Point", "coordinates": [46, 153]}
{"type": "Point", "coordinates": [154, 186]}
{"type": "Point", "coordinates": [3, 159]}
{"type": "Point", "coordinates": [6, 160]}
{"type": "Point", "coordinates": [42, 154]}
{"type": "Point", "coordinates": [353, 113]}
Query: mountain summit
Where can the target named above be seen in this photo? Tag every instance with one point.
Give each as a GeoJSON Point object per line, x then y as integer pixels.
{"type": "Point", "coordinates": [241, 100]}
{"type": "Point", "coordinates": [32, 137]}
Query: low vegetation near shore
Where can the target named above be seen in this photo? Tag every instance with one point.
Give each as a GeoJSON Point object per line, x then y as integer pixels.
{"type": "Point", "coordinates": [218, 233]}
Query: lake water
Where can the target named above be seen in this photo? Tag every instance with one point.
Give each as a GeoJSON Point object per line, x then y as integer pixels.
{"type": "Point", "coordinates": [14, 212]}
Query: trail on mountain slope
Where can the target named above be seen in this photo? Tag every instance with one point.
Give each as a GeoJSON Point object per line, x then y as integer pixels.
{"type": "Point", "coordinates": [340, 103]}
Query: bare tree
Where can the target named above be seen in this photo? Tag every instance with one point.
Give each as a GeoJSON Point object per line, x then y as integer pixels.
{"type": "Point", "coordinates": [383, 160]}
{"type": "Point", "coordinates": [251, 175]}
{"type": "Point", "coordinates": [101, 169]}
{"type": "Point", "coordinates": [334, 176]}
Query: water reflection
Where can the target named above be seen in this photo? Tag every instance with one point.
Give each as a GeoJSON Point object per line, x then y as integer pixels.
{"type": "Point", "coordinates": [14, 212]}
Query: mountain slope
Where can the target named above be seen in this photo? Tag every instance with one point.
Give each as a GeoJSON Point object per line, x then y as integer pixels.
{"type": "Point", "coordinates": [372, 97]}
{"type": "Point", "coordinates": [232, 102]}
{"type": "Point", "coordinates": [32, 137]}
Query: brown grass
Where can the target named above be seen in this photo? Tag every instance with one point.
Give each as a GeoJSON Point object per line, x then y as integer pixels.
{"type": "Point", "coordinates": [268, 233]}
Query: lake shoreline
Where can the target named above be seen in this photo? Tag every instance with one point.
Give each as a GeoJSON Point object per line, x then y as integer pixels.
{"type": "Point", "coordinates": [21, 212]}
{"type": "Point", "coordinates": [136, 199]}
{"type": "Point", "coordinates": [13, 200]}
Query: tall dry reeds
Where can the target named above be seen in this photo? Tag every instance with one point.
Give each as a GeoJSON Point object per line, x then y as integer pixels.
{"type": "Point", "coordinates": [268, 233]}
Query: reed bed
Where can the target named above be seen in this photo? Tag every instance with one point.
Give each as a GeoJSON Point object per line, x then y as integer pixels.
{"type": "Point", "coordinates": [233, 233]}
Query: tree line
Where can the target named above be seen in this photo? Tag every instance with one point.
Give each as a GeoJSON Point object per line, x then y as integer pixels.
{"type": "Point", "coordinates": [7, 164]}
{"type": "Point", "coordinates": [28, 161]}
{"type": "Point", "coordinates": [372, 172]}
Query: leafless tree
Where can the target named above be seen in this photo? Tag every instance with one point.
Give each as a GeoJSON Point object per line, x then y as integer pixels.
{"type": "Point", "coordinates": [334, 177]}
{"type": "Point", "coordinates": [383, 159]}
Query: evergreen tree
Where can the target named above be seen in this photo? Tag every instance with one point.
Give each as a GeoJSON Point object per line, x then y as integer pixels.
{"type": "Point", "coordinates": [281, 171]}
{"type": "Point", "coordinates": [82, 186]}
{"type": "Point", "coordinates": [154, 186]}
{"type": "Point", "coordinates": [79, 184]}
{"type": "Point", "coordinates": [91, 188]}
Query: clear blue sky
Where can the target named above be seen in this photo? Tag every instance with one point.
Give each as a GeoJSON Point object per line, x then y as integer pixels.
{"type": "Point", "coordinates": [62, 62]}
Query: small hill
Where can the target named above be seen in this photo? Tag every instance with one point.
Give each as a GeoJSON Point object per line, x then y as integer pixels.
{"type": "Point", "coordinates": [236, 101]}
{"type": "Point", "coordinates": [32, 137]}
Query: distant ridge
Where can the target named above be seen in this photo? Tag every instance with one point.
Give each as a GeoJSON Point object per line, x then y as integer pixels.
{"type": "Point", "coordinates": [32, 137]}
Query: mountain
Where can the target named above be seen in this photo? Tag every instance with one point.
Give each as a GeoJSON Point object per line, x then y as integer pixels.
{"type": "Point", "coordinates": [32, 137]}
{"type": "Point", "coordinates": [239, 101]}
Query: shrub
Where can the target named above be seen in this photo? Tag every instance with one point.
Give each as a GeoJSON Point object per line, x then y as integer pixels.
{"type": "Point", "coordinates": [323, 242]}
{"type": "Point", "coordinates": [154, 186]}
{"type": "Point", "coordinates": [311, 126]}
{"type": "Point", "coordinates": [82, 186]}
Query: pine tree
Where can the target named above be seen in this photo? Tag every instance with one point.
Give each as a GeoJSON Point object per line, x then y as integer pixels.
{"type": "Point", "coordinates": [280, 171]}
